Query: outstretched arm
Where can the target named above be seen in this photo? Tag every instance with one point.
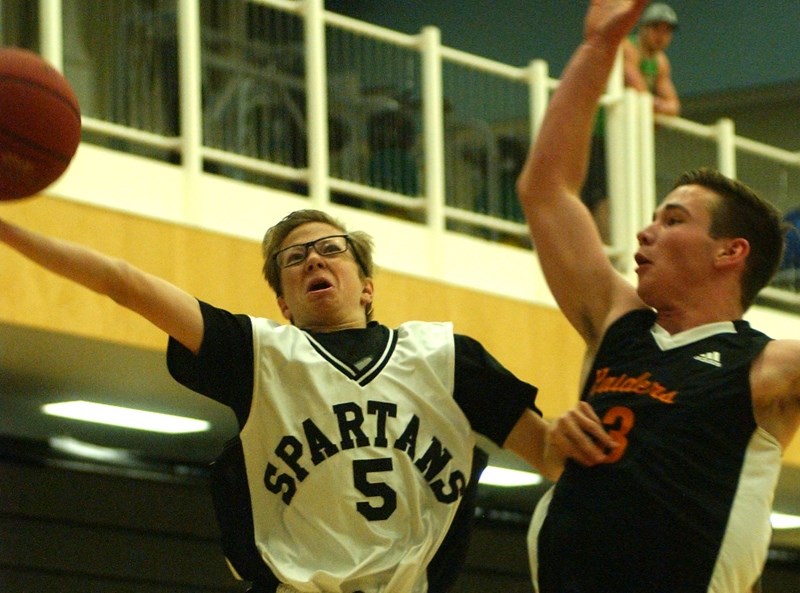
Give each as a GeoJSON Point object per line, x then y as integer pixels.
{"type": "Point", "coordinates": [166, 306]}
{"type": "Point", "coordinates": [577, 435]}
{"type": "Point", "coordinates": [585, 285]}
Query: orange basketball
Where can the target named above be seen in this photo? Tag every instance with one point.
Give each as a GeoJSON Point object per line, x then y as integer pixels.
{"type": "Point", "coordinates": [40, 123]}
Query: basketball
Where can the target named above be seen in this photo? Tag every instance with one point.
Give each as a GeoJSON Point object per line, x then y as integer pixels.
{"type": "Point", "coordinates": [40, 123]}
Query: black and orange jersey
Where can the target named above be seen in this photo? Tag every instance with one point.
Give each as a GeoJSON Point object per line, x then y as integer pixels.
{"type": "Point", "coordinates": [684, 503]}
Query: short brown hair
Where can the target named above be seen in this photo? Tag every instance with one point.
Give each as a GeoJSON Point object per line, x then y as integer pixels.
{"type": "Point", "coordinates": [359, 242]}
{"type": "Point", "coordinates": [741, 212]}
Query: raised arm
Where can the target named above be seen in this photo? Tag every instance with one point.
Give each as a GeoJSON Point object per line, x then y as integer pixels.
{"type": "Point", "coordinates": [166, 306]}
{"type": "Point", "coordinates": [585, 285]}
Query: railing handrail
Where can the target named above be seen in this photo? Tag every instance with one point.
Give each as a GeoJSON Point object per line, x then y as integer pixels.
{"type": "Point", "coordinates": [743, 143]}
{"type": "Point", "coordinates": [632, 165]}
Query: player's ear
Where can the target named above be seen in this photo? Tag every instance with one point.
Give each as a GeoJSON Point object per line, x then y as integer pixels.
{"type": "Point", "coordinates": [285, 311]}
{"type": "Point", "coordinates": [367, 291]}
{"type": "Point", "coordinates": [732, 251]}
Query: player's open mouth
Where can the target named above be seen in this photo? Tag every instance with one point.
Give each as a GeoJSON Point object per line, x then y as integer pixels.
{"type": "Point", "coordinates": [319, 285]}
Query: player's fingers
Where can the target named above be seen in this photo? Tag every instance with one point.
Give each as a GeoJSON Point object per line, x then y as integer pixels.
{"type": "Point", "coordinates": [583, 437]}
{"type": "Point", "coordinates": [601, 437]}
{"type": "Point", "coordinates": [568, 436]}
{"type": "Point", "coordinates": [587, 410]}
{"type": "Point", "coordinates": [585, 450]}
{"type": "Point", "coordinates": [590, 423]}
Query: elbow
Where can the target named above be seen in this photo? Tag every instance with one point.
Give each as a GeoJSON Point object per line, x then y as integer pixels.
{"type": "Point", "coordinates": [527, 184]}
{"type": "Point", "coordinates": [522, 187]}
{"type": "Point", "coordinates": [119, 283]}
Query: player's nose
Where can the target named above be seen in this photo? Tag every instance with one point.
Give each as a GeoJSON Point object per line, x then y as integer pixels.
{"type": "Point", "coordinates": [645, 235]}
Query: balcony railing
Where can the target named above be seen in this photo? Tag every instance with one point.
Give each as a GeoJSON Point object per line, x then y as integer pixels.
{"type": "Point", "coordinates": [285, 95]}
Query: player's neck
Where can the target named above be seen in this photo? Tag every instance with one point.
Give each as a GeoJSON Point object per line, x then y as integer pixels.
{"type": "Point", "coordinates": [679, 319]}
{"type": "Point", "coordinates": [333, 326]}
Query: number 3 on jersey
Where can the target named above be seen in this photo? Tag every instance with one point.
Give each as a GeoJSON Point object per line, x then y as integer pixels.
{"type": "Point", "coordinates": [618, 422]}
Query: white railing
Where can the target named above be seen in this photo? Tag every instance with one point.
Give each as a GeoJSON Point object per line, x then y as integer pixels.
{"type": "Point", "coordinates": [633, 165]}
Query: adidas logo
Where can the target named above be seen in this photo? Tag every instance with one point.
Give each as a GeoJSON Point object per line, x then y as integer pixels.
{"type": "Point", "coordinates": [712, 358]}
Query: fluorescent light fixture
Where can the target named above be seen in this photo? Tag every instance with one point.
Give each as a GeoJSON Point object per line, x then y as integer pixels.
{"type": "Point", "coordinates": [125, 417]}
{"type": "Point", "coordinates": [78, 448]}
{"type": "Point", "coordinates": [783, 521]}
{"type": "Point", "coordinates": [505, 477]}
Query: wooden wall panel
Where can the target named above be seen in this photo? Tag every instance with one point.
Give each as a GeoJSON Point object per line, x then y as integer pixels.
{"type": "Point", "coordinates": [211, 266]}
{"type": "Point", "coordinates": [534, 342]}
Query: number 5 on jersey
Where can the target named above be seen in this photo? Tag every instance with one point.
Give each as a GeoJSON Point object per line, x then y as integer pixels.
{"type": "Point", "coordinates": [361, 470]}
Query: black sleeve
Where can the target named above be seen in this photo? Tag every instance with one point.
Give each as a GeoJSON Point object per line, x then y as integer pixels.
{"type": "Point", "coordinates": [491, 397]}
{"type": "Point", "coordinates": [223, 369]}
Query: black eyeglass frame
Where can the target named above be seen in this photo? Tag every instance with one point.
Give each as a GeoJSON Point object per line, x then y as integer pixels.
{"type": "Point", "coordinates": [309, 245]}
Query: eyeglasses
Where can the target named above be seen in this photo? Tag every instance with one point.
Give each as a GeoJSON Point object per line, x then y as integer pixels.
{"type": "Point", "coordinates": [294, 255]}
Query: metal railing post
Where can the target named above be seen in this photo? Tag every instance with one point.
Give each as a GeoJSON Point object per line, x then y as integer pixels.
{"type": "Point", "coordinates": [191, 113]}
{"type": "Point", "coordinates": [726, 147]}
{"type": "Point", "coordinates": [620, 142]}
{"type": "Point", "coordinates": [316, 103]}
{"type": "Point", "coordinates": [630, 203]}
{"type": "Point", "coordinates": [51, 32]}
{"type": "Point", "coordinates": [539, 94]}
{"type": "Point", "coordinates": [647, 160]}
{"type": "Point", "coordinates": [433, 125]}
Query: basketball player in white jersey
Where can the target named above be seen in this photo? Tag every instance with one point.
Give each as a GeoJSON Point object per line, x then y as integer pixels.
{"type": "Point", "coordinates": [355, 468]}
{"type": "Point", "coordinates": [700, 404]}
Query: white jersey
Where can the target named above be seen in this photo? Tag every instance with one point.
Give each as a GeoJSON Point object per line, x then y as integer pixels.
{"type": "Point", "coordinates": [356, 447]}
{"type": "Point", "coordinates": [355, 472]}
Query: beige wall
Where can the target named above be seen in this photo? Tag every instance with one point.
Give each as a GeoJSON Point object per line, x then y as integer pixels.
{"type": "Point", "coordinates": [535, 342]}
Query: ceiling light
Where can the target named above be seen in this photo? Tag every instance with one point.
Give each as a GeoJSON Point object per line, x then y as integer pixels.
{"type": "Point", "coordinates": [78, 448]}
{"type": "Point", "coordinates": [783, 521]}
{"type": "Point", "coordinates": [503, 476]}
{"type": "Point", "coordinates": [125, 417]}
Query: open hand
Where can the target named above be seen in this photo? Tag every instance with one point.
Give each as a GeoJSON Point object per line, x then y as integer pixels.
{"type": "Point", "coordinates": [612, 20]}
{"type": "Point", "coordinates": [579, 435]}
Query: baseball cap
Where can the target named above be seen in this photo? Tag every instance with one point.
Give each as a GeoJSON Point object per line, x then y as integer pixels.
{"type": "Point", "coordinates": [658, 12]}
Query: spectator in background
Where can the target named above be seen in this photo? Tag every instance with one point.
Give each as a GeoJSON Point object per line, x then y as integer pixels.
{"type": "Point", "coordinates": [646, 69]}
{"type": "Point", "coordinates": [646, 65]}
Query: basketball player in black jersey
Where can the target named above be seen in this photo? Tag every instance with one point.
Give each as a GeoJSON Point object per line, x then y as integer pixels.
{"type": "Point", "coordinates": [700, 405]}
{"type": "Point", "coordinates": [355, 468]}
